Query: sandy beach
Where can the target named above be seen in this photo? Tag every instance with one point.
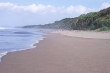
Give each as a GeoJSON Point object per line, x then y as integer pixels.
{"type": "Point", "coordinates": [85, 34]}
{"type": "Point", "coordinates": [61, 54]}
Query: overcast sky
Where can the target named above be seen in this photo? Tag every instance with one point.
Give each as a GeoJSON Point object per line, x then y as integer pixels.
{"type": "Point", "coordinates": [33, 12]}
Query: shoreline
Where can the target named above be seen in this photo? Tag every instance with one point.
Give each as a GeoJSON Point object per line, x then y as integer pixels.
{"type": "Point", "coordinates": [32, 46]}
{"type": "Point", "coordinates": [60, 54]}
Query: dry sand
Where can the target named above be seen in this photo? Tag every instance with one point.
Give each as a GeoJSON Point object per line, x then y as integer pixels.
{"type": "Point", "coordinates": [60, 54]}
{"type": "Point", "coordinates": [85, 34]}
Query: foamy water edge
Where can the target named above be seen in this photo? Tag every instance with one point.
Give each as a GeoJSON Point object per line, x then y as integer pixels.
{"type": "Point", "coordinates": [32, 46]}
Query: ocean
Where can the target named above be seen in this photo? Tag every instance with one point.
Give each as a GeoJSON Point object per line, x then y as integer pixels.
{"type": "Point", "coordinates": [17, 39]}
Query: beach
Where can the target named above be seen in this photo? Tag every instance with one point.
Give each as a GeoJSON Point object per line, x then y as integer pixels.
{"type": "Point", "coordinates": [58, 53]}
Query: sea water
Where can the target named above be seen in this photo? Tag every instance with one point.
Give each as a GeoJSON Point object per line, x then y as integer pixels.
{"type": "Point", "coordinates": [16, 39]}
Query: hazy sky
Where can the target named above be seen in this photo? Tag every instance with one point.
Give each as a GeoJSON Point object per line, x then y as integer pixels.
{"type": "Point", "coordinates": [33, 12]}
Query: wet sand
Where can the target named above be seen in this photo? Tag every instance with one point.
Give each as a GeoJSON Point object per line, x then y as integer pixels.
{"type": "Point", "coordinates": [60, 54]}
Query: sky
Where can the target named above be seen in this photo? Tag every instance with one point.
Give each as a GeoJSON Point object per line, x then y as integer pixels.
{"type": "Point", "coordinates": [33, 12]}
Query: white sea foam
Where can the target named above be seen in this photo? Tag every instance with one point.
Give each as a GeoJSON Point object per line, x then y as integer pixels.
{"type": "Point", "coordinates": [1, 28]}
{"type": "Point", "coordinates": [37, 41]}
{"type": "Point", "coordinates": [2, 54]}
{"type": "Point", "coordinates": [31, 47]}
{"type": "Point", "coordinates": [9, 41]}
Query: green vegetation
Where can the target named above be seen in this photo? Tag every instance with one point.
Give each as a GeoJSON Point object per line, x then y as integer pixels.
{"type": "Point", "coordinates": [103, 29]}
{"type": "Point", "coordinates": [99, 21]}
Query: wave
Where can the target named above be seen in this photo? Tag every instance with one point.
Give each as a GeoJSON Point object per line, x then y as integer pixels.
{"type": "Point", "coordinates": [1, 28]}
{"type": "Point", "coordinates": [26, 39]}
{"type": "Point", "coordinates": [23, 32]}
{"type": "Point", "coordinates": [33, 45]}
{"type": "Point", "coordinates": [2, 54]}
